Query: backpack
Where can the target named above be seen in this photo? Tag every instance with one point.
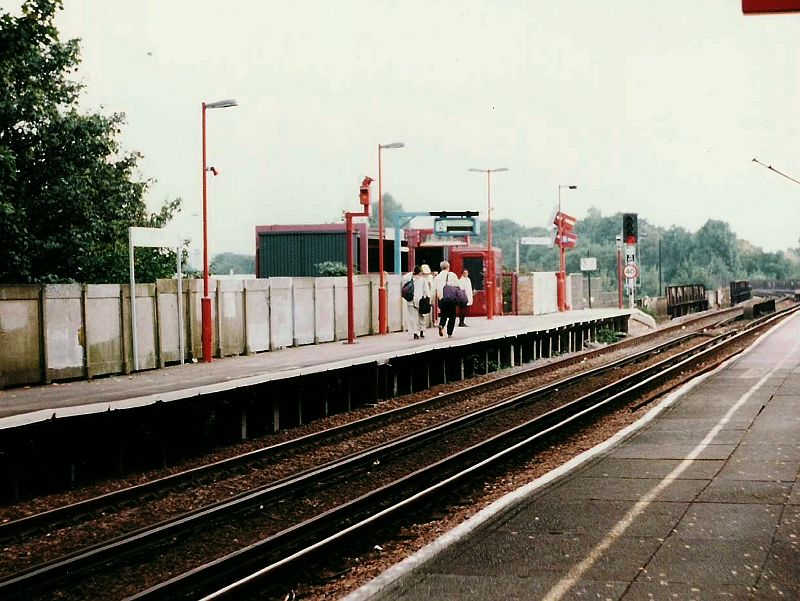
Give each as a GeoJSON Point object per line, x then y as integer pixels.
{"type": "Point", "coordinates": [407, 291]}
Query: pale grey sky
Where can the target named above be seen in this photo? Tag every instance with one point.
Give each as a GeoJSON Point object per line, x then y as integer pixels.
{"type": "Point", "coordinates": [649, 107]}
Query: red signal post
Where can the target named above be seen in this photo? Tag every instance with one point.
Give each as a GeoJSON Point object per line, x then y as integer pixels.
{"type": "Point", "coordinates": [566, 239]}
{"type": "Point", "coordinates": [363, 198]}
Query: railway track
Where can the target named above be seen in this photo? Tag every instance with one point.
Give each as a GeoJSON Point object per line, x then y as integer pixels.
{"type": "Point", "coordinates": [288, 541]}
{"type": "Point", "coordinates": [57, 516]}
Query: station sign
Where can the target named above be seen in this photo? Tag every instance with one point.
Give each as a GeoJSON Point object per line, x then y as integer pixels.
{"type": "Point", "coordinates": [536, 241]}
{"type": "Point", "coordinates": [456, 226]}
{"type": "Point", "coordinates": [754, 7]}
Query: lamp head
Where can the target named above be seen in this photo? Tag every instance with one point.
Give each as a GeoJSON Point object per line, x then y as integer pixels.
{"type": "Point", "coordinates": [392, 145]}
{"type": "Point", "coordinates": [221, 104]}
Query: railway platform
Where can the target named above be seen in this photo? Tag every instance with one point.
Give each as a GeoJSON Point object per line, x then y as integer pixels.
{"type": "Point", "coordinates": [370, 359]}
{"type": "Point", "coordinates": [700, 499]}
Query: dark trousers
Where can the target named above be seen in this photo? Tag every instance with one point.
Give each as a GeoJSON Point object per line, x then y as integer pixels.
{"type": "Point", "coordinates": [462, 315]}
{"type": "Point", "coordinates": [447, 315]}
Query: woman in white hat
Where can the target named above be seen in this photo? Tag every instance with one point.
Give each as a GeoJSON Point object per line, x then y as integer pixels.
{"type": "Point", "coordinates": [414, 321]}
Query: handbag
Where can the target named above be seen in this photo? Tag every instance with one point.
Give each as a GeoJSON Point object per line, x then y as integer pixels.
{"type": "Point", "coordinates": [424, 305]}
{"type": "Point", "coordinates": [450, 295]}
{"type": "Point", "coordinates": [462, 297]}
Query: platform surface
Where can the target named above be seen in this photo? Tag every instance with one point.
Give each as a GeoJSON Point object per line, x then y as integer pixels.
{"type": "Point", "coordinates": [698, 500]}
{"type": "Point", "coordinates": [28, 404]}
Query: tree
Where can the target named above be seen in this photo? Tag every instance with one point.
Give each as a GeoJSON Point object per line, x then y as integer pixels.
{"type": "Point", "coordinates": [225, 263]}
{"type": "Point", "coordinates": [67, 191]}
{"type": "Point", "coordinates": [390, 208]}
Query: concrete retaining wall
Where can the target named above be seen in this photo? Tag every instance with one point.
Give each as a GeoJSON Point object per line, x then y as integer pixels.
{"type": "Point", "coordinates": [67, 331]}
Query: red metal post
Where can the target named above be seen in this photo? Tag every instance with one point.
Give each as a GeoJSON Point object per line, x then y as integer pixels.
{"type": "Point", "coordinates": [364, 198]}
{"type": "Point", "coordinates": [205, 301]}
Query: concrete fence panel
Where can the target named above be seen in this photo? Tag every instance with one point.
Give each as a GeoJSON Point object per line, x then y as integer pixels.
{"type": "Point", "coordinates": [303, 311]}
{"type": "Point", "coordinates": [340, 306]}
{"type": "Point", "coordinates": [395, 303]}
{"type": "Point", "coordinates": [105, 352]}
{"type": "Point", "coordinates": [365, 300]}
{"type": "Point", "coordinates": [324, 310]}
{"type": "Point", "coordinates": [146, 331]}
{"type": "Point", "coordinates": [544, 293]}
{"type": "Point", "coordinates": [63, 330]}
{"type": "Point", "coordinates": [230, 317]}
{"type": "Point", "coordinates": [21, 339]}
{"type": "Point", "coordinates": [256, 309]}
{"type": "Point", "coordinates": [281, 314]}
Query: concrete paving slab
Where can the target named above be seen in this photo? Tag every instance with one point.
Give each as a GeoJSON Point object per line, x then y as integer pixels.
{"type": "Point", "coordinates": [614, 467]}
{"type": "Point", "coordinates": [746, 491]}
{"type": "Point", "coordinates": [672, 436]}
{"type": "Point", "coordinates": [746, 469]}
{"type": "Point", "coordinates": [630, 489]}
{"type": "Point", "coordinates": [482, 588]}
{"type": "Point", "coordinates": [783, 563]}
{"type": "Point", "coordinates": [794, 498]}
{"type": "Point", "coordinates": [556, 515]}
{"type": "Point", "coordinates": [702, 562]}
{"type": "Point", "coordinates": [700, 426]}
{"type": "Point", "coordinates": [675, 591]}
{"type": "Point", "coordinates": [766, 452]}
{"type": "Point", "coordinates": [772, 591]}
{"type": "Point", "coordinates": [729, 521]}
{"type": "Point", "coordinates": [532, 555]}
{"type": "Point", "coordinates": [789, 527]}
{"type": "Point", "coordinates": [636, 450]}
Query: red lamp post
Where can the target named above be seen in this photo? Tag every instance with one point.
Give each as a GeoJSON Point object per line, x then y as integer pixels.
{"type": "Point", "coordinates": [383, 300]}
{"type": "Point", "coordinates": [490, 275]}
{"type": "Point", "coordinates": [205, 302]}
{"type": "Point", "coordinates": [561, 276]}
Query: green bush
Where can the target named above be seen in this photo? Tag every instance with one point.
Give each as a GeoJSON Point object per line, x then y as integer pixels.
{"type": "Point", "coordinates": [607, 336]}
{"type": "Point", "coordinates": [331, 268]}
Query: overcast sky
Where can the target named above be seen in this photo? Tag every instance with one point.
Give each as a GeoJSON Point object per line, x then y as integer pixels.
{"type": "Point", "coordinates": [649, 107]}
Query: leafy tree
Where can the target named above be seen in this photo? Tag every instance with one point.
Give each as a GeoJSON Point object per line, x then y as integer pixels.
{"type": "Point", "coordinates": [67, 191]}
{"type": "Point", "coordinates": [391, 207]}
{"type": "Point", "coordinates": [225, 263]}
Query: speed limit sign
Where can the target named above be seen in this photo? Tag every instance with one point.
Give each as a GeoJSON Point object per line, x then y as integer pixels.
{"type": "Point", "coordinates": [630, 271]}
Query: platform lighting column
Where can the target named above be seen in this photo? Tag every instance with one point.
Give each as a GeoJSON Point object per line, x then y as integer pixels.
{"type": "Point", "coordinates": [205, 302]}
{"type": "Point", "coordinates": [561, 277]}
{"type": "Point", "coordinates": [383, 301]}
{"type": "Point", "coordinates": [490, 277]}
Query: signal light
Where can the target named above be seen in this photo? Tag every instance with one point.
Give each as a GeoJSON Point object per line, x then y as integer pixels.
{"type": "Point", "coordinates": [630, 228]}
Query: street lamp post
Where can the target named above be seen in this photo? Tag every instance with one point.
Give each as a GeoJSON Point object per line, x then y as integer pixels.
{"type": "Point", "coordinates": [383, 302]}
{"type": "Point", "coordinates": [490, 276]}
{"type": "Point", "coordinates": [561, 276]}
{"type": "Point", "coordinates": [205, 302]}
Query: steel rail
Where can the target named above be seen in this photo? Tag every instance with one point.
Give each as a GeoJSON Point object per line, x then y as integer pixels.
{"type": "Point", "coordinates": [54, 517]}
{"type": "Point", "coordinates": [234, 565]}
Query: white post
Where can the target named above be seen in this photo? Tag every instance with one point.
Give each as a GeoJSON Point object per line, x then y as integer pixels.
{"type": "Point", "coordinates": [517, 270]}
{"type": "Point", "coordinates": [133, 303]}
{"type": "Point", "coordinates": [181, 342]}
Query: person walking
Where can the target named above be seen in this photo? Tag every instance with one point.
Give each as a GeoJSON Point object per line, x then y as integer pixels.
{"type": "Point", "coordinates": [414, 320]}
{"type": "Point", "coordinates": [447, 302]}
{"type": "Point", "coordinates": [466, 285]}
